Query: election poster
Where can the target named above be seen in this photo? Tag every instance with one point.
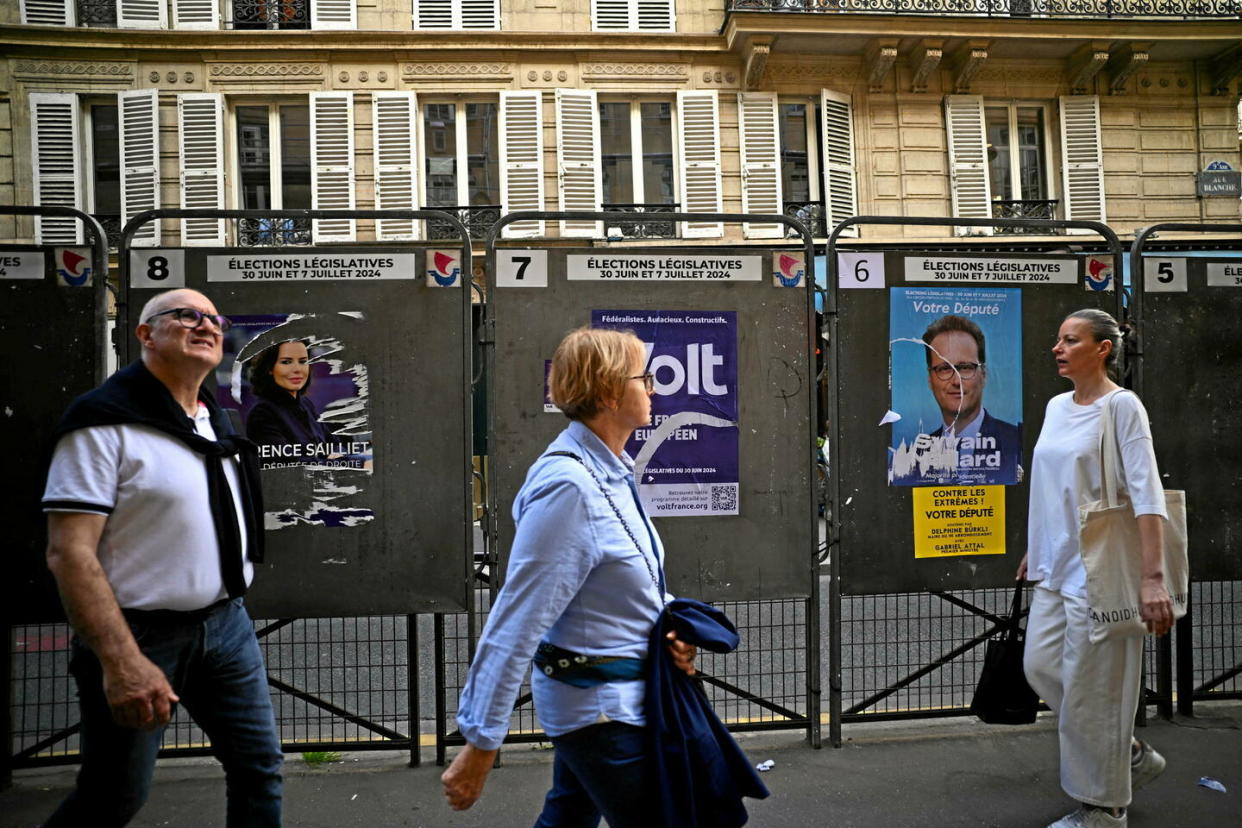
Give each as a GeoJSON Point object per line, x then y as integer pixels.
{"type": "Point", "coordinates": [959, 520]}
{"type": "Point", "coordinates": [303, 400]}
{"type": "Point", "coordinates": [955, 359]}
{"type": "Point", "coordinates": [686, 461]}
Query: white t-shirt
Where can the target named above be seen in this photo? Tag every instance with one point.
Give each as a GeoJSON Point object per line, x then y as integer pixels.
{"type": "Point", "coordinates": [158, 548]}
{"type": "Point", "coordinates": [1065, 473]}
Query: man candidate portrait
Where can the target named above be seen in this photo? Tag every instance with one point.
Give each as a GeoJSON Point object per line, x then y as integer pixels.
{"type": "Point", "coordinates": [154, 524]}
{"type": "Point", "coordinates": [989, 450]}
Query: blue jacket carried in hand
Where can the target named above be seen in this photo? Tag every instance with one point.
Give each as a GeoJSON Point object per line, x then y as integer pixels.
{"type": "Point", "coordinates": [700, 772]}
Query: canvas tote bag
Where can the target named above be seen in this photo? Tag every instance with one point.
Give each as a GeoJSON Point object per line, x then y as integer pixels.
{"type": "Point", "coordinates": [1108, 538]}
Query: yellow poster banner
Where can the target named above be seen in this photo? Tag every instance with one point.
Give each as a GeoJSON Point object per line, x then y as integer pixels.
{"type": "Point", "coordinates": [959, 520]}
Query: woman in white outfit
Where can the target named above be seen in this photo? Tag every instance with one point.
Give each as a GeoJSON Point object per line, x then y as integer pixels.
{"type": "Point", "coordinates": [1093, 688]}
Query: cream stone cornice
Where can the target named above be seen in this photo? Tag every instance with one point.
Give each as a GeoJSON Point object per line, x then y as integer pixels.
{"type": "Point", "coordinates": [411, 42]}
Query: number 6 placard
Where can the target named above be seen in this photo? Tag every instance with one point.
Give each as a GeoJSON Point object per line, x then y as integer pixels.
{"type": "Point", "coordinates": [860, 270]}
{"type": "Point", "coordinates": [155, 268]}
{"type": "Point", "coordinates": [521, 268]}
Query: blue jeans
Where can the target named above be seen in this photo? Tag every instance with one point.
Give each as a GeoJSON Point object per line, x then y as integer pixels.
{"type": "Point", "coordinates": [601, 770]}
{"type": "Point", "coordinates": [215, 666]}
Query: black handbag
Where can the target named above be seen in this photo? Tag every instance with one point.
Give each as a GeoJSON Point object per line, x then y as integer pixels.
{"type": "Point", "coordinates": [1002, 695]}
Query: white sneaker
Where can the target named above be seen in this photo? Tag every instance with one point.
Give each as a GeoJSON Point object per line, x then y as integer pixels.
{"type": "Point", "coordinates": [1089, 816]}
{"type": "Point", "coordinates": [1146, 767]}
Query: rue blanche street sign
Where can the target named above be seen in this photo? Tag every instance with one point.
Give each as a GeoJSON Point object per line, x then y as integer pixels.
{"type": "Point", "coordinates": [1219, 178]}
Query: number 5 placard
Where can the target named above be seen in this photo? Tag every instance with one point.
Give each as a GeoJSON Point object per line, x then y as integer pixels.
{"type": "Point", "coordinates": [521, 268]}
{"type": "Point", "coordinates": [860, 270]}
{"type": "Point", "coordinates": [154, 268]}
{"type": "Point", "coordinates": [1164, 275]}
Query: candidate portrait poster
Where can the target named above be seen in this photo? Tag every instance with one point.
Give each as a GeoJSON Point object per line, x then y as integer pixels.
{"type": "Point", "coordinates": [955, 358]}
{"type": "Point", "coordinates": [686, 461]}
{"type": "Point", "coordinates": [303, 400]}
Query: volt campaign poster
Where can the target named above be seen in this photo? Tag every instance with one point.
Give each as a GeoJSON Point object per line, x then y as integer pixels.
{"type": "Point", "coordinates": [686, 461]}
{"type": "Point", "coordinates": [956, 386]}
{"type": "Point", "coordinates": [303, 400]}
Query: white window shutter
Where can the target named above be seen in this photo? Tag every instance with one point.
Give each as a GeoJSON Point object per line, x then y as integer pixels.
{"type": "Point", "coordinates": [457, 14]}
{"type": "Point", "coordinates": [655, 15]}
{"type": "Point", "coordinates": [141, 14]}
{"type": "Point", "coordinates": [332, 162]}
{"type": "Point", "coordinates": [968, 161]}
{"type": "Point", "coordinates": [394, 119]}
{"type": "Point", "coordinates": [334, 14]}
{"type": "Point", "coordinates": [698, 154]}
{"type": "Point", "coordinates": [49, 12]}
{"type": "Point", "coordinates": [196, 14]}
{"type": "Point", "coordinates": [200, 116]}
{"type": "Point", "coordinates": [56, 161]}
{"type": "Point", "coordinates": [633, 15]}
{"type": "Point", "coordinates": [577, 158]}
{"type": "Point", "coordinates": [1082, 162]}
{"type": "Point", "coordinates": [139, 115]}
{"type": "Point", "coordinates": [761, 161]}
{"type": "Point", "coordinates": [840, 172]}
{"type": "Point", "coordinates": [521, 159]}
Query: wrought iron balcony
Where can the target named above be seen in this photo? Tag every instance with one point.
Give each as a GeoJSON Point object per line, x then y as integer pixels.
{"type": "Point", "coordinates": [478, 220]}
{"type": "Point", "coordinates": [1098, 9]}
{"type": "Point", "coordinates": [99, 13]}
{"type": "Point", "coordinates": [112, 224]}
{"type": "Point", "coordinates": [271, 14]}
{"type": "Point", "coordinates": [640, 227]}
{"type": "Point", "coordinates": [1024, 209]}
{"type": "Point", "coordinates": [273, 232]}
{"type": "Point", "coordinates": [811, 214]}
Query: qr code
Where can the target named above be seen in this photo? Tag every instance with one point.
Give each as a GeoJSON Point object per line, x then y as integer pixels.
{"type": "Point", "coordinates": [724, 498]}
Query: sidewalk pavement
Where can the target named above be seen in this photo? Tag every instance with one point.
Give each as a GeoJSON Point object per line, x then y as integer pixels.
{"type": "Point", "coordinates": [936, 772]}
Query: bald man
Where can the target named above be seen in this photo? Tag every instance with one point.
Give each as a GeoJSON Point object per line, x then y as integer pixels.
{"type": "Point", "coordinates": [154, 522]}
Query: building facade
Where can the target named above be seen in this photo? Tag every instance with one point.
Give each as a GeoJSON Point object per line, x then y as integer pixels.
{"type": "Point", "coordinates": [820, 109]}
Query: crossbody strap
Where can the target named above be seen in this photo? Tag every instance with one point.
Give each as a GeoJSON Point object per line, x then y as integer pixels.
{"type": "Point", "coordinates": [658, 582]}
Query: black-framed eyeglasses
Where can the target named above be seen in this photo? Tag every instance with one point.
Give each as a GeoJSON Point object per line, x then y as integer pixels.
{"type": "Point", "coordinates": [648, 381]}
{"type": "Point", "coordinates": [191, 318]}
{"type": "Point", "coordinates": [967, 370]}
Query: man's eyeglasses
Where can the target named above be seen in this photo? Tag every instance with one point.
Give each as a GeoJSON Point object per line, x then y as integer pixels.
{"type": "Point", "coordinates": [191, 318]}
{"type": "Point", "coordinates": [967, 370]}
{"type": "Point", "coordinates": [648, 381]}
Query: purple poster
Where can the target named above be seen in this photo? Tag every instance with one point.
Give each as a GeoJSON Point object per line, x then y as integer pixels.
{"type": "Point", "coordinates": [686, 462]}
{"type": "Point", "coordinates": [303, 399]}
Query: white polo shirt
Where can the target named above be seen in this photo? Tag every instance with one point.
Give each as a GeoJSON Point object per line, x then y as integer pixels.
{"type": "Point", "coordinates": [158, 548]}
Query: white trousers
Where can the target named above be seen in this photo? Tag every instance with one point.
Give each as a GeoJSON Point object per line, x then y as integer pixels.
{"type": "Point", "coordinates": [1093, 689]}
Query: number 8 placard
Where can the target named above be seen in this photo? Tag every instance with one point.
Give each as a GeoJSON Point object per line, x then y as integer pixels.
{"type": "Point", "coordinates": [162, 269]}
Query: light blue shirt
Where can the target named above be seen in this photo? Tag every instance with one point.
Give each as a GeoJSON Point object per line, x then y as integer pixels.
{"type": "Point", "coordinates": [576, 580]}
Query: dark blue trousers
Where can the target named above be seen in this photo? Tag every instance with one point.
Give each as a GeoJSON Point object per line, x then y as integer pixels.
{"type": "Point", "coordinates": [215, 666]}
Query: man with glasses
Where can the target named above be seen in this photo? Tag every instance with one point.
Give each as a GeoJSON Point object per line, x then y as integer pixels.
{"type": "Point", "coordinates": [988, 450]}
{"type": "Point", "coordinates": [155, 521]}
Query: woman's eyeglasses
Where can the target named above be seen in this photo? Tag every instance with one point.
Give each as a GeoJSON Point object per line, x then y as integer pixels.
{"type": "Point", "coordinates": [191, 318]}
{"type": "Point", "coordinates": [967, 370]}
{"type": "Point", "coordinates": [648, 381]}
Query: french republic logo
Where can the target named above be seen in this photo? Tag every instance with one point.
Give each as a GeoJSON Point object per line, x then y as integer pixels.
{"type": "Point", "coordinates": [789, 269]}
{"type": "Point", "coordinates": [443, 268]}
{"type": "Point", "coordinates": [73, 266]}
{"type": "Point", "coordinates": [1099, 274]}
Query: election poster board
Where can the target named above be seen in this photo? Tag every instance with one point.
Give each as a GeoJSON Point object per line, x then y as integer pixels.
{"type": "Point", "coordinates": [944, 372]}
{"type": "Point", "coordinates": [304, 401]}
{"type": "Point", "coordinates": [686, 461]}
{"type": "Point", "coordinates": [725, 469]}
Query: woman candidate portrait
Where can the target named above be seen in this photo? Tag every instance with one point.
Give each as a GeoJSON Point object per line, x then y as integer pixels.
{"type": "Point", "coordinates": [284, 414]}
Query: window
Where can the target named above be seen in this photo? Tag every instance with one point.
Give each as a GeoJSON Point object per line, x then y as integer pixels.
{"type": "Point", "coordinates": [104, 151]}
{"type": "Point", "coordinates": [273, 170]}
{"type": "Point", "coordinates": [637, 165]}
{"type": "Point", "coordinates": [456, 14]}
{"type": "Point", "coordinates": [271, 14]}
{"type": "Point", "coordinates": [461, 163]}
{"type": "Point", "coordinates": [125, 14]}
{"type": "Point", "coordinates": [196, 14]}
{"type": "Point", "coordinates": [1017, 144]}
{"type": "Point", "coordinates": [633, 15]}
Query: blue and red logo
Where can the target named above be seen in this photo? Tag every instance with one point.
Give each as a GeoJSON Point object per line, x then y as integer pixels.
{"type": "Point", "coordinates": [443, 268]}
{"type": "Point", "coordinates": [1099, 274]}
{"type": "Point", "coordinates": [73, 268]}
{"type": "Point", "coordinates": [789, 270]}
